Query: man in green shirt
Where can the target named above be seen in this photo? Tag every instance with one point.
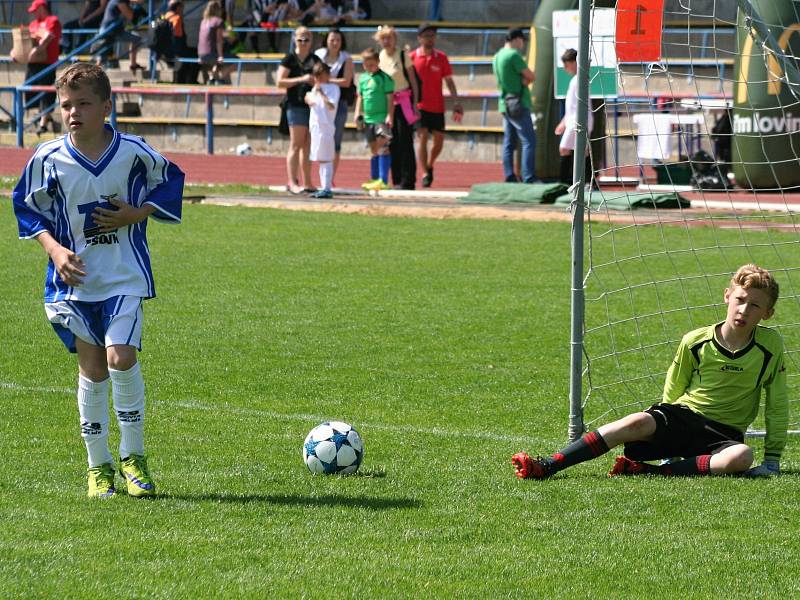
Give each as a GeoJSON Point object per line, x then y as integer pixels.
{"type": "Point", "coordinates": [513, 78]}
{"type": "Point", "coordinates": [712, 393]}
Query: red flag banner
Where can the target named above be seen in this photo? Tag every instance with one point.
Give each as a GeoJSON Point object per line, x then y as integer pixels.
{"type": "Point", "coordinates": [639, 27]}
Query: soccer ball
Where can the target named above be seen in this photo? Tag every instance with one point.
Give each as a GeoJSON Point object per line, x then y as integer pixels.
{"type": "Point", "coordinates": [333, 447]}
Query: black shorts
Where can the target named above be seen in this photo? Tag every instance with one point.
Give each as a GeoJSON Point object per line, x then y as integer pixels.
{"type": "Point", "coordinates": [431, 121]}
{"type": "Point", "coordinates": [372, 131]}
{"type": "Point", "coordinates": [682, 432]}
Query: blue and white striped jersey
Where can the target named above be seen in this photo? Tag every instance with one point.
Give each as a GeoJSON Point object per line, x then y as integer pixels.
{"type": "Point", "coordinates": [60, 189]}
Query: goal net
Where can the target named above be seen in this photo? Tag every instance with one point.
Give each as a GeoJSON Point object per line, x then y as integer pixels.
{"type": "Point", "coordinates": [698, 169]}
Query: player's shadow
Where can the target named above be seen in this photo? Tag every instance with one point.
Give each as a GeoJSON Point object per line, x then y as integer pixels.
{"type": "Point", "coordinates": [324, 500]}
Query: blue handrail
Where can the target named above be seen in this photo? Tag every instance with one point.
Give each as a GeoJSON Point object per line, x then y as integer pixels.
{"type": "Point", "coordinates": [19, 97]}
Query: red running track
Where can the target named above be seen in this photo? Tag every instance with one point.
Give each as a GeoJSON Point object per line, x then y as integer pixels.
{"type": "Point", "coordinates": [271, 170]}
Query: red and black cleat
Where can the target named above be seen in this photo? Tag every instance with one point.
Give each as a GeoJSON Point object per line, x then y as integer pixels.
{"type": "Point", "coordinates": [526, 467]}
{"type": "Point", "coordinates": [626, 466]}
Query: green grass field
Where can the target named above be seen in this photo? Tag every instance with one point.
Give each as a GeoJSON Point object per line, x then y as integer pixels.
{"type": "Point", "coordinates": [444, 342]}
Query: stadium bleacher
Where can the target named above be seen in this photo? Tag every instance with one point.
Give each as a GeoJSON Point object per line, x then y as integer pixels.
{"type": "Point", "coordinates": [182, 118]}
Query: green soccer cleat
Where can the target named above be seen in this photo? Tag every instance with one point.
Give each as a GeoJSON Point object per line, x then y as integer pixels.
{"type": "Point", "coordinates": [140, 484]}
{"type": "Point", "coordinates": [376, 185]}
{"type": "Point", "coordinates": [101, 481]}
{"type": "Point", "coordinates": [367, 185]}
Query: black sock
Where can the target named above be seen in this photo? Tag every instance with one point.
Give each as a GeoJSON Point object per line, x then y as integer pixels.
{"type": "Point", "coordinates": [697, 465]}
{"type": "Point", "coordinates": [588, 447]}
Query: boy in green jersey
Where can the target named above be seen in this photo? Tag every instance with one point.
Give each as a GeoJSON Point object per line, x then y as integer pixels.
{"type": "Point", "coordinates": [373, 114]}
{"type": "Point", "coordinates": [712, 393]}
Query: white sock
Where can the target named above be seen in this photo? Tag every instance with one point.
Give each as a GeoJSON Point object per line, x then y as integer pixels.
{"type": "Point", "coordinates": [326, 175]}
{"type": "Point", "coordinates": [128, 393]}
{"type": "Point", "coordinates": [93, 410]}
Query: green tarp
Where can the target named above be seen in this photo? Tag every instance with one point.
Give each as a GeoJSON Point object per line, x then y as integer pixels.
{"type": "Point", "coordinates": [515, 193]}
{"type": "Point", "coordinates": [628, 201]}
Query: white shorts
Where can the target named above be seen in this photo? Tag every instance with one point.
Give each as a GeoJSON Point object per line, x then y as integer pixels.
{"type": "Point", "coordinates": [568, 138]}
{"type": "Point", "coordinates": [111, 322]}
{"type": "Point", "coordinates": [569, 135]}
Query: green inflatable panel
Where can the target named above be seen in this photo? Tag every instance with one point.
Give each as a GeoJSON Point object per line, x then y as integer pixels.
{"type": "Point", "coordinates": [766, 116]}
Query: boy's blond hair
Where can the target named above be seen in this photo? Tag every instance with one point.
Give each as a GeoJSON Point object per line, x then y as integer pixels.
{"type": "Point", "coordinates": [79, 74]}
{"type": "Point", "coordinates": [752, 276]}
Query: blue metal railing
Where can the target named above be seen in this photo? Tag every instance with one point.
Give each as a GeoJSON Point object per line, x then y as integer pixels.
{"type": "Point", "coordinates": [19, 105]}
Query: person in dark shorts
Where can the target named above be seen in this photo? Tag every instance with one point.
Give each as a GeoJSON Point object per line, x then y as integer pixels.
{"type": "Point", "coordinates": [295, 76]}
{"type": "Point", "coordinates": [711, 395]}
{"type": "Point", "coordinates": [45, 30]}
{"type": "Point", "coordinates": [373, 115]}
{"type": "Point", "coordinates": [433, 67]}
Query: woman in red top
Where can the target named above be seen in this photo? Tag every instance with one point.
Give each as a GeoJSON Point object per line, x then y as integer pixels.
{"type": "Point", "coordinates": [46, 34]}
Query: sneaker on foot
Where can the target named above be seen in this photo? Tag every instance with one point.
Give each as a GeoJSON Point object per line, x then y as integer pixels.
{"type": "Point", "coordinates": [367, 185]}
{"type": "Point", "coordinates": [626, 466]}
{"type": "Point", "coordinates": [101, 481]}
{"type": "Point", "coordinates": [134, 469]}
{"type": "Point", "coordinates": [322, 194]}
{"type": "Point", "coordinates": [377, 186]}
{"type": "Point", "coordinates": [427, 180]}
{"type": "Point", "coordinates": [526, 467]}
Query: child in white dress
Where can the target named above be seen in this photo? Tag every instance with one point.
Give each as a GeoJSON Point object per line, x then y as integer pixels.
{"type": "Point", "coordinates": [323, 100]}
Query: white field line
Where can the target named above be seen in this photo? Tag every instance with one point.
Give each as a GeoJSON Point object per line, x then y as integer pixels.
{"type": "Point", "coordinates": [271, 414]}
{"type": "Point", "coordinates": [8, 385]}
{"type": "Point", "coordinates": [437, 431]}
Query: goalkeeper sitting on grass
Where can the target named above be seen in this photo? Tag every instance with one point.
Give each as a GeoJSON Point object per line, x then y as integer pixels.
{"type": "Point", "coordinates": [711, 395]}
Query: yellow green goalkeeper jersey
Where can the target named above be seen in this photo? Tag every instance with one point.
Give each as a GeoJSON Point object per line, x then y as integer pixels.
{"type": "Point", "coordinates": [726, 386]}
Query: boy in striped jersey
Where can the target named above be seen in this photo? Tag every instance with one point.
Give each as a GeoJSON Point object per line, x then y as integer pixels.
{"type": "Point", "coordinates": [712, 393]}
{"type": "Point", "coordinates": [86, 198]}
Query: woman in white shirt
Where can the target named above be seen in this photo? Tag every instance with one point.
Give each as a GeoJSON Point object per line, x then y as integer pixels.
{"type": "Point", "coordinates": [333, 54]}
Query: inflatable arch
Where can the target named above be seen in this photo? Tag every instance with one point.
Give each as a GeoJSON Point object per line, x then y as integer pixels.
{"type": "Point", "coordinates": [766, 115]}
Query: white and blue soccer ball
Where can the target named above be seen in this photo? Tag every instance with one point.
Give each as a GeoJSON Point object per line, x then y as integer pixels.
{"type": "Point", "coordinates": [333, 447]}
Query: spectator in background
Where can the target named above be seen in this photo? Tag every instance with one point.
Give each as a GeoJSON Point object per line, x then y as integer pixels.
{"type": "Point", "coordinates": [268, 15]}
{"type": "Point", "coordinates": [322, 100]}
{"type": "Point", "coordinates": [228, 10]}
{"type": "Point", "coordinates": [513, 78]}
{"type": "Point", "coordinates": [567, 127]}
{"type": "Point", "coordinates": [258, 11]}
{"type": "Point", "coordinates": [211, 45]}
{"type": "Point", "coordinates": [374, 117]}
{"type": "Point", "coordinates": [321, 10]}
{"type": "Point", "coordinates": [185, 72]}
{"type": "Point", "coordinates": [398, 65]}
{"type": "Point", "coordinates": [90, 18]}
{"type": "Point", "coordinates": [174, 16]}
{"type": "Point", "coordinates": [433, 67]}
{"type": "Point", "coordinates": [295, 76]}
{"type": "Point", "coordinates": [358, 10]}
{"type": "Point", "coordinates": [721, 137]}
{"type": "Point", "coordinates": [436, 11]}
{"type": "Point", "coordinates": [45, 32]}
{"type": "Point", "coordinates": [118, 16]}
{"type": "Point", "coordinates": [334, 55]}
